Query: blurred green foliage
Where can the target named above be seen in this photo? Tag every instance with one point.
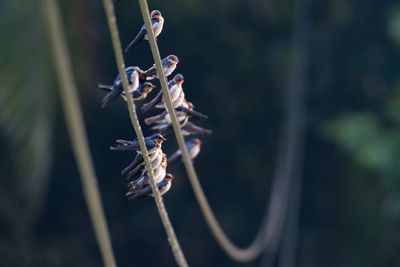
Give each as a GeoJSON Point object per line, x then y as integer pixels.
{"type": "Point", "coordinates": [26, 118]}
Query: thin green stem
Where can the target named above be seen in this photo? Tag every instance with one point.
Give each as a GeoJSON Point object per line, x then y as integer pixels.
{"type": "Point", "coordinates": [172, 239]}
{"type": "Point", "coordinates": [73, 115]}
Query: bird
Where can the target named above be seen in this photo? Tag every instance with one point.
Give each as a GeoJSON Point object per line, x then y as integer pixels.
{"type": "Point", "coordinates": [132, 74]}
{"type": "Point", "coordinates": [138, 162]}
{"type": "Point", "coordinates": [175, 90]}
{"type": "Point", "coordinates": [140, 168]}
{"type": "Point", "coordinates": [153, 143]}
{"type": "Point", "coordinates": [193, 147]}
{"type": "Point", "coordinates": [169, 65]}
{"type": "Point", "coordinates": [139, 94]}
{"type": "Point", "coordinates": [139, 180]}
{"type": "Point", "coordinates": [163, 186]}
{"type": "Point", "coordinates": [157, 23]}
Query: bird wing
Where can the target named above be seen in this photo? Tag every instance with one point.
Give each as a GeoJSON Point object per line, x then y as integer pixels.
{"type": "Point", "coordinates": [131, 195]}
{"type": "Point", "coordinates": [150, 105]}
{"type": "Point", "coordinates": [104, 87]}
{"type": "Point", "coordinates": [154, 119]}
{"type": "Point", "coordinates": [194, 129]}
{"type": "Point", "coordinates": [151, 73]}
{"type": "Point", "coordinates": [174, 156]}
{"type": "Point", "coordinates": [137, 161]}
{"type": "Point", "coordinates": [196, 114]}
{"type": "Point", "coordinates": [114, 93]}
{"type": "Point", "coordinates": [121, 145]}
{"type": "Point", "coordinates": [139, 37]}
{"type": "Point", "coordinates": [137, 172]}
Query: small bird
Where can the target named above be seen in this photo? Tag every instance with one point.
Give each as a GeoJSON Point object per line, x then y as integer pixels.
{"type": "Point", "coordinates": [193, 148]}
{"type": "Point", "coordinates": [139, 94]}
{"type": "Point", "coordinates": [162, 122]}
{"type": "Point", "coordinates": [139, 180]}
{"type": "Point", "coordinates": [132, 74]}
{"type": "Point", "coordinates": [163, 186]}
{"type": "Point", "coordinates": [169, 65]}
{"type": "Point", "coordinates": [138, 163]}
{"type": "Point", "coordinates": [184, 111]}
{"type": "Point", "coordinates": [153, 143]}
{"type": "Point", "coordinates": [137, 172]}
{"type": "Point", "coordinates": [175, 91]}
{"type": "Point", "coordinates": [157, 23]}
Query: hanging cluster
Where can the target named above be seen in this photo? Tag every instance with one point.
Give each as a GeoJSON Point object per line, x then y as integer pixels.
{"type": "Point", "coordinates": [140, 86]}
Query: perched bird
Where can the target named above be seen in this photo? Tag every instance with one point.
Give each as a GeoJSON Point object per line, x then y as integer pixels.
{"type": "Point", "coordinates": [193, 148]}
{"type": "Point", "coordinates": [163, 186]}
{"type": "Point", "coordinates": [132, 74]}
{"type": "Point", "coordinates": [184, 111]}
{"type": "Point", "coordinates": [169, 65]}
{"type": "Point", "coordinates": [140, 170]}
{"type": "Point", "coordinates": [153, 143]}
{"type": "Point", "coordinates": [175, 91]}
{"type": "Point", "coordinates": [138, 163]}
{"type": "Point", "coordinates": [139, 94]}
{"type": "Point", "coordinates": [157, 23]}
{"type": "Point", "coordinates": [141, 179]}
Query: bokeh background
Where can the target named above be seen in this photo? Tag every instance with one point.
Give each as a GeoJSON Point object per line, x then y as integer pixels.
{"type": "Point", "coordinates": [237, 59]}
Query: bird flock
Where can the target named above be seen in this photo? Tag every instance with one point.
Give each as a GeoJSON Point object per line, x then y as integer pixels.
{"type": "Point", "coordinates": [140, 86]}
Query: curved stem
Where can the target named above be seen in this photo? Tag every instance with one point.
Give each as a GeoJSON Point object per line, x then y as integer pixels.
{"type": "Point", "coordinates": [73, 116]}
{"type": "Point", "coordinates": [172, 239]}
{"type": "Point", "coordinates": [271, 227]}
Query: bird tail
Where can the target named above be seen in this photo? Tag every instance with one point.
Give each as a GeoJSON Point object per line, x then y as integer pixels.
{"type": "Point", "coordinates": [136, 40]}
{"type": "Point", "coordinates": [177, 155]}
{"type": "Point", "coordinates": [110, 97]}
{"type": "Point", "coordinates": [194, 129]}
{"type": "Point", "coordinates": [134, 194]}
{"type": "Point", "coordinates": [123, 145]}
{"type": "Point", "coordinates": [150, 105]}
{"type": "Point", "coordinates": [197, 115]}
{"type": "Point", "coordinates": [152, 120]}
{"type": "Point", "coordinates": [136, 162]}
{"type": "Point", "coordinates": [136, 173]}
{"type": "Point", "coordinates": [104, 87]}
{"type": "Point", "coordinates": [152, 72]}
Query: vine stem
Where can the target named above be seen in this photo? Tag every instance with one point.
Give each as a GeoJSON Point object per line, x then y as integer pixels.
{"type": "Point", "coordinates": [172, 239]}
{"type": "Point", "coordinates": [75, 124]}
{"type": "Point", "coordinates": [269, 232]}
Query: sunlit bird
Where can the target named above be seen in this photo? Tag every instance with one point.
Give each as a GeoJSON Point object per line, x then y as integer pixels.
{"type": "Point", "coordinates": [138, 163]}
{"type": "Point", "coordinates": [157, 23]}
{"type": "Point", "coordinates": [163, 186]}
{"type": "Point", "coordinates": [175, 91]}
{"type": "Point", "coordinates": [132, 74]}
{"type": "Point", "coordinates": [139, 94]}
{"type": "Point", "coordinates": [152, 144]}
{"type": "Point", "coordinates": [169, 65]}
{"type": "Point", "coordinates": [183, 112]}
{"type": "Point", "coordinates": [141, 179]}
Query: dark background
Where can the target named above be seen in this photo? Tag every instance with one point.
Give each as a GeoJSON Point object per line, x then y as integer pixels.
{"type": "Point", "coordinates": [236, 57]}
